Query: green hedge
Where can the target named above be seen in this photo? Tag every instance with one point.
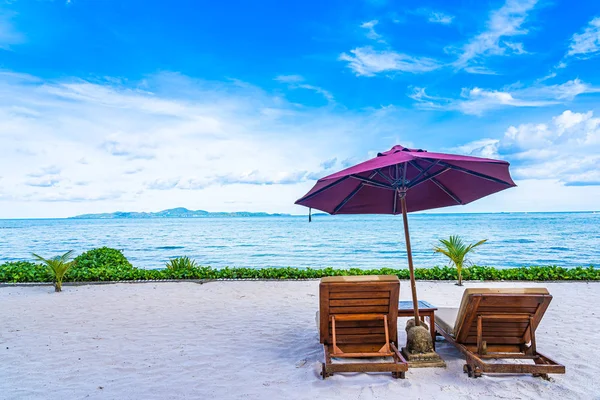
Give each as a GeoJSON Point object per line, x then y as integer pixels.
{"type": "Point", "coordinates": [111, 267]}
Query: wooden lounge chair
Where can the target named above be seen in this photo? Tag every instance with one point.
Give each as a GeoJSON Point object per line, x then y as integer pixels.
{"type": "Point", "coordinates": [358, 318]}
{"type": "Point", "coordinates": [498, 324]}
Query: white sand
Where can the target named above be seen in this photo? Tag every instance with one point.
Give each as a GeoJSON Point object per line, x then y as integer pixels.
{"type": "Point", "coordinates": [250, 340]}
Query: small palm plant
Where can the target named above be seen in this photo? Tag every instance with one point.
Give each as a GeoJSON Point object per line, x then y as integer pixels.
{"type": "Point", "coordinates": [57, 266]}
{"type": "Point", "coordinates": [181, 263]}
{"type": "Point", "coordinates": [456, 250]}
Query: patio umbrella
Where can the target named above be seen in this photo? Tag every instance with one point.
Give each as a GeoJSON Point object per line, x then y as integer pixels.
{"type": "Point", "coordinates": [403, 180]}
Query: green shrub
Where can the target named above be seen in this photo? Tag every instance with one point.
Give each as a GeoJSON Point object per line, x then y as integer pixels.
{"type": "Point", "coordinates": [101, 258]}
{"type": "Point", "coordinates": [23, 271]}
{"type": "Point", "coordinates": [107, 264]}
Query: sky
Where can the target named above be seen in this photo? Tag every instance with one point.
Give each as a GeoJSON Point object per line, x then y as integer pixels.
{"type": "Point", "coordinates": [238, 105]}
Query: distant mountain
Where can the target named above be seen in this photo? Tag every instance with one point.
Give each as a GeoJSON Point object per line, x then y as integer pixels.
{"type": "Point", "coordinates": [179, 212]}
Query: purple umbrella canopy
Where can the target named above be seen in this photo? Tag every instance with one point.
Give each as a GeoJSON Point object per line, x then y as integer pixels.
{"type": "Point", "coordinates": [403, 180]}
{"type": "Point", "coordinates": [429, 180]}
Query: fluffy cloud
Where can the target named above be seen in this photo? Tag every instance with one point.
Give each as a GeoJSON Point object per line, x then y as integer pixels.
{"type": "Point", "coordinates": [477, 101]}
{"type": "Point", "coordinates": [566, 149]}
{"type": "Point", "coordinates": [78, 146]}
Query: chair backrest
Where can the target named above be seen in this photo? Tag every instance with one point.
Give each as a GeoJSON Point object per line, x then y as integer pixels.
{"type": "Point", "coordinates": [510, 328]}
{"type": "Point", "coordinates": [366, 294]}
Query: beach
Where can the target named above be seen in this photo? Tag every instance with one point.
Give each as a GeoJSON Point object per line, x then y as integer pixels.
{"type": "Point", "coordinates": [251, 340]}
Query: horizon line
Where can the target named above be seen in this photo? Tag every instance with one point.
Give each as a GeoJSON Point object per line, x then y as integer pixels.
{"type": "Point", "coordinates": [287, 215]}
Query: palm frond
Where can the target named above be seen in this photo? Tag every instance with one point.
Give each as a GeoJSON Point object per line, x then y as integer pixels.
{"type": "Point", "coordinates": [456, 250]}
{"type": "Point", "coordinates": [57, 266]}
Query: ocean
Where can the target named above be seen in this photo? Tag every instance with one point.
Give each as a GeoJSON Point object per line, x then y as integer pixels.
{"type": "Point", "coordinates": [515, 239]}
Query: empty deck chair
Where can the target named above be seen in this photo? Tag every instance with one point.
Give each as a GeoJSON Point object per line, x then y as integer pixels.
{"type": "Point", "coordinates": [358, 318]}
{"type": "Point", "coordinates": [498, 324]}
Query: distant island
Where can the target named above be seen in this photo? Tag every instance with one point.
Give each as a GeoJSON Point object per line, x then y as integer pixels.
{"type": "Point", "coordinates": [179, 212]}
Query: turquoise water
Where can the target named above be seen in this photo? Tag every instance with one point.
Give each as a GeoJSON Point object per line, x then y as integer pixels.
{"type": "Point", "coordinates": [564, 239]}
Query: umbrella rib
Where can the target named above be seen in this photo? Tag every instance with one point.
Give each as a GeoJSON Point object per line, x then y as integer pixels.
{"type": "Point", "coordinates": [371, 182]}
{"type": "Point", "coordinates": [353, 193]}
{"type": "Point", "coordinates": [384, 176]}
{"type": "Point", "coordinates": [440, 185]}
{"type": "Point", "coordinates": [428, 177]}
{"type": "Point", "coordinates": [477, 174]}
{"type": "Point", "coordinates": [310, 196]}
{"type": "Point", "coordinates": [348, 198]}
{"type": "Point", "coordinates": [416, 178]}
{"type": "Point", "coordinates": [447, 191]}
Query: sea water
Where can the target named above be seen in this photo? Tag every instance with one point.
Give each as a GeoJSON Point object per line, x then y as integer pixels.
{"type": "Point", "coordinates": [516, 239]}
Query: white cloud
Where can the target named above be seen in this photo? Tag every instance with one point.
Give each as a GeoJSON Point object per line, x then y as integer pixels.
{"type": "Point", "coordinates": [587, 43]}
{"type": "Point", "coordinates": [366, 61]}
{"type": "Point", "coordinates": [289, 78]}
{"type": "Point", "coordinates": [477, 101]}
{"type": "Point", "coordinates": [296, 82]}
{"type": "Point", "coordinates": [565, 149]}
{"type": "Point", "coordinates": [370, 27]}
{"type": "Point", "coordinates": [516, 48]}
{"type": "Point", "coordinates": [72, 146]}
{"type": "Point", "coordinates": [433, 16]}
{"type": "Point", "coordinates": [487, 148]}
{"type": "Point", "coordinates": [505, 22]}
{"type": "Point", "coordinates": [440, 18]}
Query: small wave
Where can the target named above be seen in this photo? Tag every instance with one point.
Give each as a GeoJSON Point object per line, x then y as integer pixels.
{"type": "Point", "coordinates": [559, 248]}
{"type": "Point", "coordinates": [170, 247]}
{"type": "Point", "coordinates": [518, 241]}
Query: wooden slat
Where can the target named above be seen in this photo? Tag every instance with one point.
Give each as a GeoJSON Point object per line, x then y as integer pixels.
{"type": "Point", "coordinates": [358, 317]}
{"type": "Point", "coordinates": [501, 324]}
{"type": "Point", "coordinates": [359, 310]}
{"type": "Point", "coordinates": [346, 339]}
{"type": "Point", "coordinates": [360, 295]}
{"type": "Point", "coordinates": [367, 367]}
{"type": "Point", "coordinates": [511, 301]}
{"type": "Point", "coordinates": [360, 287]}
{"type": "Point", "coordinates": [503, 332]}
{"type": "Point", "coordinates": [506, 310]}
{"type": "Point", "coordinates": [494, 339]}
{"type": "Point", "coordinates": [360, 347]}
{"type": "Point", "coordinates": [359, 302]}
{"type": "Point", "coordinates": [358, 324]}
{"type": "Point", "coordinates": [360, 331]}
{"type": "Point", "coordinates": [365, 355]}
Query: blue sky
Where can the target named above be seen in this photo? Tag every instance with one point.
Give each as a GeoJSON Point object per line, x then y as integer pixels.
{"type": "Point", "coordinates": [144, 105]}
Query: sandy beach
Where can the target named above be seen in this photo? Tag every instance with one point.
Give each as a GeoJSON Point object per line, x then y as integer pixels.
{"type": "Point", "coordinates": [250, 340]}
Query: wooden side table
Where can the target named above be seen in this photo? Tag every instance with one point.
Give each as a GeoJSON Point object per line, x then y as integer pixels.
{"type": "Point", "coordinates": [405, 309]}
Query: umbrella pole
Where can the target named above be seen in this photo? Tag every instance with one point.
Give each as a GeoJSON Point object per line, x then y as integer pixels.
{"type": "Point", "coordinates": [413, 285]}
